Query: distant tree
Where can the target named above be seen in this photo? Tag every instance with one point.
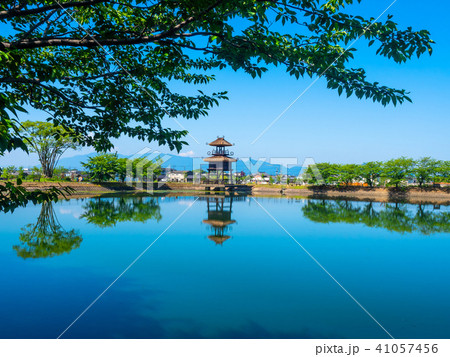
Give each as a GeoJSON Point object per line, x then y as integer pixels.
{"type": "Point", "coordinates": [7, 172]}
{"type": "Point", "coordinates": [102, 167]}
{"type": "Point", "coordinates": [20, 173]}
{"type": "Point", "coordinates": [122, 169]}
{"type": "Point", "coordinates": [348, 173]}
{"type": "Point", "coordinates": [329, 173]}
{"type": "Point", "coordinates": [443, 171]}
{"type": "Point", "coordinates": [60, 170]}
{"type": "Point", "coordinates": [397, 170]}
{"type": "Point", "coordinates": [198, 175]}
{"type": "Point", "coordinates": [271, 180]}
{"type": "Point", "coordinates": [370, 172]}
{"type": "Point", "coordinates": [36, 173]}
{"type": "Point", "coordinates": [425, 170]}
{"type": "Point", "coordinates": [49, 142]}
{"type": "Point", "coordinates": [139, 168]}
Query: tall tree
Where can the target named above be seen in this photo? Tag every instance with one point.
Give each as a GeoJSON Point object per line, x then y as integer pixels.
{"type": "Point", "coordinates": [102, 167]}
{"type": "Point", "coordinates": [397, 170]}
{"type": "Point", "coordinates": [443, 171]}
{"type": "Point", "coordinates": [108, 68]}
{"type": "Point", "coordinates": [348, 173]}
{"type": "Point", "coordinates": [11, 195]}
{"type": "Point", "coordinates": [425, 170]}
{"type": "Point", "coordinates": [370, 172]}
{"type": "Point", "coordinates": [49, 142]}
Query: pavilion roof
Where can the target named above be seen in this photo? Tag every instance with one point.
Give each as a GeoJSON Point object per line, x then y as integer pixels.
{"type": "Point", "coordinates": [219, 158]}
{"type": "Point", "coordinates": [218, 223]}
{"type": "Point", "coordinates": [220, 142]}
{"type": "Point", "coordinates": [219, 239]}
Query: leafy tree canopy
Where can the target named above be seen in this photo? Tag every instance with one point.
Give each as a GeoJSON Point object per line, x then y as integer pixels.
{"type": "Point", "coordinates": [425, 170]}
{"type": "Point", "coordinates": [104, 212]}
{"type": "Point", "coordinates": [393, 217]}
{"type": "Point", "coordinates": [390, 173]}
{"type": "Point", "coordinates": [102, 167]}
{"type": "Point", "coordinates": [370, 171]}
{"type": "Point", "coordinates": [106, 166]}
{"type": "Point", "coordinates": [107, 68]}
{"type": "Point", "coordinates": [47, 238]}
{"type": "Point", "coordinates": [397, 170]}
{"type": "Point", "coordinates": [49, 142]}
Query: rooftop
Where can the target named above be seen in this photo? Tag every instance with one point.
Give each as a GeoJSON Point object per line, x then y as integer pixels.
{"type": "Point", "coordinates": [220, 142]}
{"type": "Point", "coordinates": [219, 159]}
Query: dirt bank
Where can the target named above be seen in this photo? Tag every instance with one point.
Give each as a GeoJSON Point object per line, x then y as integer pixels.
{"type": "Point", "coordinates": [410, 194]}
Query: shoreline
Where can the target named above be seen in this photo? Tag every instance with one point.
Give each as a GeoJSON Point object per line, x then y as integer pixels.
{"type": "Point", "coordinates": [430, 195]}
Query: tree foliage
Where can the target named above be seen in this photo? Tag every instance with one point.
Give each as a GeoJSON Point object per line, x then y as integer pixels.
{"type": "Point", "coordinates": [48, 142]}
{"type": "Point", "coordinates": [47, 238]}
{"type": "Point", "coordinates": [13, 196]}
{"type": "Point", "coordinates": [107, 212]}
{"type": "Point", "coordinates": [106, 167]}
{"type": "Point", "coordinates": [397, 170]}
{"type": "Point", "coordinates": [370, 172]}
{"type": "Point", "coordinates": [393, 217]}
{"type": "Point", "coordinates": [389, 173]}
{"type": "Point", "coordinates": [109, 68]}
{"type": "Point", "coordinates": [425, 170]}
{"type": "Point", "coordinates": [102, 167]}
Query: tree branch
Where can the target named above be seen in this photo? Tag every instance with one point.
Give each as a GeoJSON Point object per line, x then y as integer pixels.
{"type": "Point", "coordinates": [6, 14]}
{"type": "Point", "coordinates": [48, 88]}
{"type": "Point", "coordinates": [96, 42]}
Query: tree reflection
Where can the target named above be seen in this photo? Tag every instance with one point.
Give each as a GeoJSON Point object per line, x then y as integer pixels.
{"type": "Point", "coordinates": [106, 212]}
{"type": "Point", "coordinates": [394, 217]}
{"type": "Point", "coordinates": [46, 238]}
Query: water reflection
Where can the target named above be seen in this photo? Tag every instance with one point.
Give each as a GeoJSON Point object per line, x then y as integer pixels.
{"type": "Point", "coordinates": [396, 217]}
{"type": "Point", "coordinates": [219, 217]}
{"type": "Point", "coordinates": [106, 212]}
{"type": "Point", "coordinates": [47, 238]}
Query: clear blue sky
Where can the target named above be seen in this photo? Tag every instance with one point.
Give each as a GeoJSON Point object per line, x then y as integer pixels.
{"type": "Point", "coordinates": [321, 124]}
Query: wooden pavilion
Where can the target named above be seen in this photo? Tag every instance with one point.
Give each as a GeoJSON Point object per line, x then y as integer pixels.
{"type": "Point", "coordinates": [220, 162]}
{"type": "Point", "coordinates": [219, 217]}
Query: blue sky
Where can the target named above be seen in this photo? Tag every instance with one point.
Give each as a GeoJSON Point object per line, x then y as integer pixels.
{"type": "Point", "coordinates": [321, 124]}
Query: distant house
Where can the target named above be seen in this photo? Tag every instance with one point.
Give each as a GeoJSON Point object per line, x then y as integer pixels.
{"type": "Point", "coordinates": [260, 178]}
{"type": "Point", "coordinates": [179, 176]}
{"type": "Point", "coordinates": [72, 174]}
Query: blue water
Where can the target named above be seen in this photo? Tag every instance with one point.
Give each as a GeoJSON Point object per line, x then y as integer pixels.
{"type": "Point", "coordinates": [248, 280]}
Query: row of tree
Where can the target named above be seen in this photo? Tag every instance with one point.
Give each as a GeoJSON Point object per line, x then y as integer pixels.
{"type": "Point", "coordinates": [394, 172]}
{"type": "Point", "coordinates": [34, 174]}
{"type": "Point", "coordinates": [394, 217]}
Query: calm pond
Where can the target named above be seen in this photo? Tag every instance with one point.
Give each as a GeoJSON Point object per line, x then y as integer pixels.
{"type": "Point", "coordinates": [225, 269]}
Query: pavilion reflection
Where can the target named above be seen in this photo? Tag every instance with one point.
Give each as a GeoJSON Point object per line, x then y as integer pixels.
{"type": "Point", "coordinates": [219, 208]}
